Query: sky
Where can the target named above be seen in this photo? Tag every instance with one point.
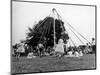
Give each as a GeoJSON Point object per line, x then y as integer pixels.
{"type": "Point", "coordinates": [25, 15]}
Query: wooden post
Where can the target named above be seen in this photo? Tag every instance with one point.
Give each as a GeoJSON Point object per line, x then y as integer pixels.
{"type": "Point", "coordinates": [54, 27]}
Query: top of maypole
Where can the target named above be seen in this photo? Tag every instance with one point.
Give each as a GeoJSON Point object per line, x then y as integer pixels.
{"type": "Point", "coordinates": [53, 9]}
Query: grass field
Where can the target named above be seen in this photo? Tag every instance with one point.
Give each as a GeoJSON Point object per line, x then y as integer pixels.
{"type": "Point", "coordinates": [45, 64]}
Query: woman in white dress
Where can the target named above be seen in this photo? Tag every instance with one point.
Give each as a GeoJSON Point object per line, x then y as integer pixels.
{"type": "Point", "coordinates": [60, 46]}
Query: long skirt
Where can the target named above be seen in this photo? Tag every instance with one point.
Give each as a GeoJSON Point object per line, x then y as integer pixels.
{"type": "Point", "coordinates": [60, 48]}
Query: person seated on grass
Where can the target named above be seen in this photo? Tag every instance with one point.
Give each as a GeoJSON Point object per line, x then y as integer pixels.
{"type": "Point", "coordinates": [76, 54]}
{"type": "Point", "coordinates": [52, 52]}
{"type": "Point", "coordinates": [31, 55]}
{"type": "Point", "coordinates": [81, 53]}
{"type": "Point", "coordinates": [70, 53]}
{"type": "Point", "coordinates": [87, 49]}
{"type": "Point", "coordinates": [48, 50]}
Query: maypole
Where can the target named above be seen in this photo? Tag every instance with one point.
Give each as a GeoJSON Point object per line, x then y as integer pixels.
{"type": "Point", "coordinates": [54, 26]}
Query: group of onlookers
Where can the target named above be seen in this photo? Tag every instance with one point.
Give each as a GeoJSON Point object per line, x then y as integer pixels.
{"type": "Point", "coordinates": [59, 51]}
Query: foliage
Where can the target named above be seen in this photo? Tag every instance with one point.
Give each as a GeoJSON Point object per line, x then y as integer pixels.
{"type": "Point", "coordinates": [43, 32]}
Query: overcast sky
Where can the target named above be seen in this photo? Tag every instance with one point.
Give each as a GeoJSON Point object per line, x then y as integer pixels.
{"type": "Point", "coordinates": [25, 14]}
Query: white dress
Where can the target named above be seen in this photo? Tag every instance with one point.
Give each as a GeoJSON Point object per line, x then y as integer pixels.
{"type": "Point", "coordinates": [60, 46]}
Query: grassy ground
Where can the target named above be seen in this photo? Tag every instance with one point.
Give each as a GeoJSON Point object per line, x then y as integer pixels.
{"type": "Point", "coordinates": [45, 64]}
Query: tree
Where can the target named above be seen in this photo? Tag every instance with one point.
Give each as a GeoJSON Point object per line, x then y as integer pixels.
{"type": "Point", "coordinates": [43, 32]}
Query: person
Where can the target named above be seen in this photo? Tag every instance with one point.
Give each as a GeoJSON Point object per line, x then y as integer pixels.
{"type": "Point", "coordinates": [76, 54]}
{"type": "Point", "coordinates": [48, 50]}
{"type": "Point", "coordinates": [81, 53]}
{"type": "Point", "coordinates": [31, 55]}
{"type": "Point", "coordinates": [86, 50]}
{"type": "Point", "coordinates": [60, 46]}
{"type": "Point", "coordinates": [20, 49]}
{"type": "Point", "coordinates": [40, 48]}
{"type": "Point", "coordinates": [70, 53]}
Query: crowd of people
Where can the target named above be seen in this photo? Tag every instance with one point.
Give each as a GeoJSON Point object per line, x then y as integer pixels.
{"type": "Point", "coordinates": [59, 50]}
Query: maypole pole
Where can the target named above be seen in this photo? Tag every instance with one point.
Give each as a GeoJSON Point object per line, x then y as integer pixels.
{"type": "Point", "coordinates": [54, 27]}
